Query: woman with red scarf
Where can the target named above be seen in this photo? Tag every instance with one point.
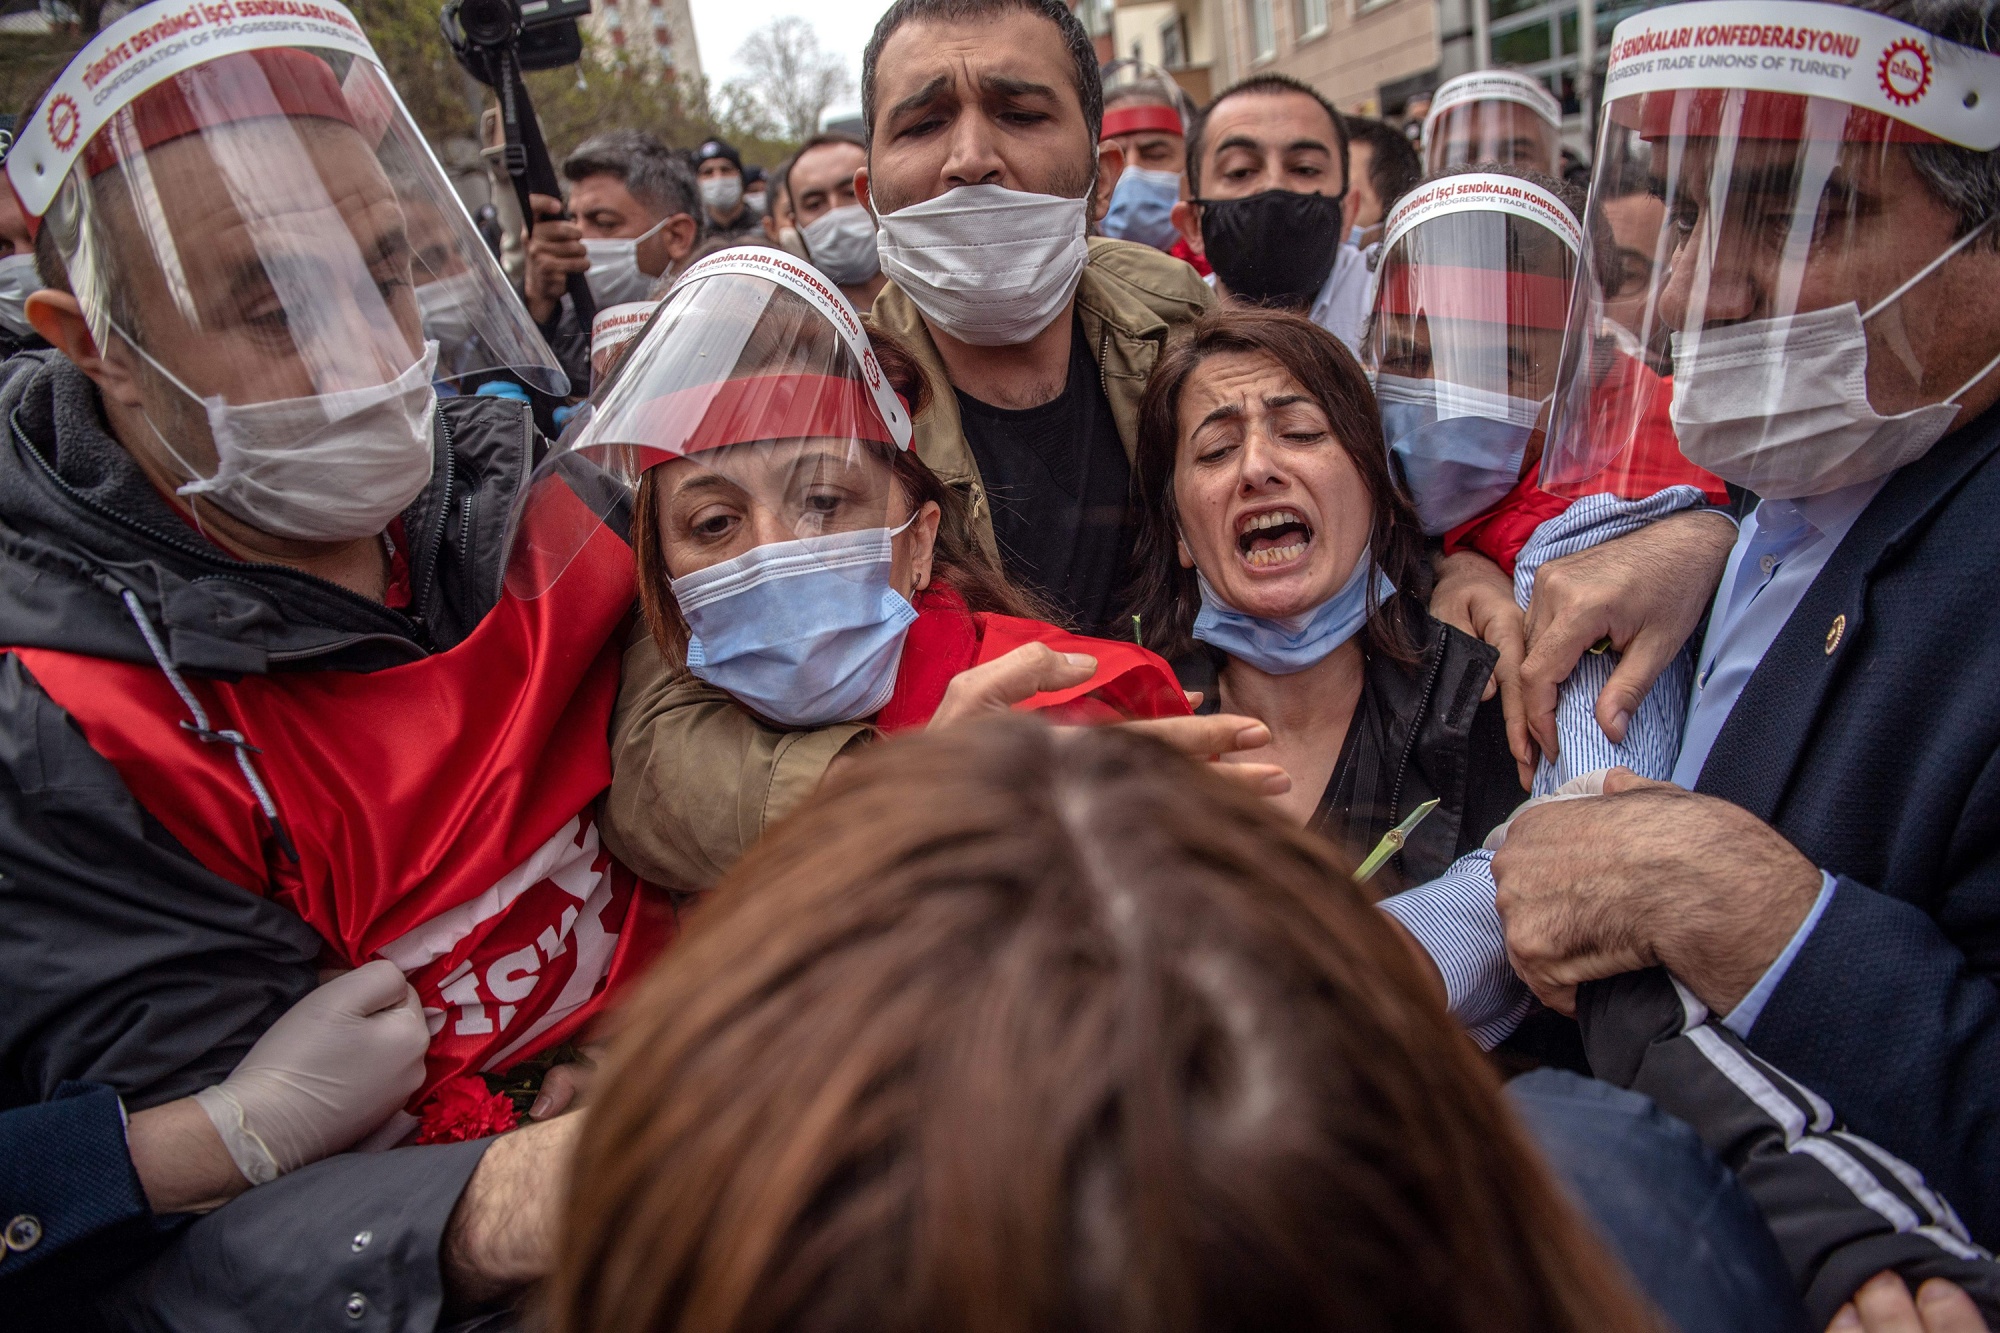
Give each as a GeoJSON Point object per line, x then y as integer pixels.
{"type": "Point", "coordinates": [798, 566]}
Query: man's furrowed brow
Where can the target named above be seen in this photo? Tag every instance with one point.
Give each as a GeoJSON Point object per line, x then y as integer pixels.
{"type": "Point", "coordinates": [1309, 146]}
{"type": "Point", "coordinates": [1765, 178]}
{"type": "Point", "coordinates": [1007, 85]}
{"type": "Point", "coordinates": [921, 98]}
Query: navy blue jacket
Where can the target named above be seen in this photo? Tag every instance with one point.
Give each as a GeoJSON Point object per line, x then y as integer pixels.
{"type": "Point", "coordinates": [69, 1197]}
{"type": "Point", "coordinates": [1870, 737]}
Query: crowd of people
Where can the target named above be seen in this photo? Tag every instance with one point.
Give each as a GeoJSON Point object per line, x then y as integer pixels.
{"type": "Point", "coordinates": [1080, 712]}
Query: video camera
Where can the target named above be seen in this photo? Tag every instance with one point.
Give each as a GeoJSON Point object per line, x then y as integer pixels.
{"type": "Point", "coordinates": [495, 40]}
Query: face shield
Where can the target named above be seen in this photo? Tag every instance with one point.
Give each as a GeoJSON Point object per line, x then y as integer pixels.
{"type": "Point", "coordinates": [1494, 115]}
{"type": "Point", "coordinates": [749, 438]}
{"type": "Point", "coordinates": [1793, 328]}
{"type": "Point", "coordinates": [612, 332]}
{"type": "Point", "coordinates": [256, 214]}
{"type": "Point", "coordinates": [1471, 296]}
{"type": "Point", "coordinates": [1140, 98]}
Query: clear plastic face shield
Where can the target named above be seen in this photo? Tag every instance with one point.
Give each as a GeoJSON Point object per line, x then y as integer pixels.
{"type": "Point", "coordinates": [752, 413]}
{"type": "Point", "coordinates": [250, 222]}
{"type": "Point", "coordinates": [1471, 296]}
{"type": "Point", "coordinates": [1143, 99]}
{"type": "Point", "coordinates": [1497, 116]}
{"type": "Point", "coordinates": [255, 215]}
{"type": "Point", "coordinates": [613, 332]}
{"type": "Point", "coordinates": [1794, 323]}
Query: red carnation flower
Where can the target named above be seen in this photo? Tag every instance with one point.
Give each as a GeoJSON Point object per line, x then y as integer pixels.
{"type": "Point", "coordinates": [462, 1109]}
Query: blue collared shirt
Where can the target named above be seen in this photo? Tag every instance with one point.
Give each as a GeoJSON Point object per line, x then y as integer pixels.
{"type": "Point", "coordinates": [1781, 549]}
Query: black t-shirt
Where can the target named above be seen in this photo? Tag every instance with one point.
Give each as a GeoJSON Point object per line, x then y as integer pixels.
{"type": "Point", "coordinates": [1060, 488]}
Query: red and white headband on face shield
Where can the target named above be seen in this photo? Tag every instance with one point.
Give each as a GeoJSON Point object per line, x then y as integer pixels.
{"type": "Point", "coordinates": [1139, 119]}
{"type": "Point", "coordinates": [157, 41]}
{"type": "Point", "coordinates": [1532, 300]}
{"type": "Point", "coordinates": [612, 331]}
{"type": "Point", "coordinates": [1491, 85]}
{"type": "Point", "coordinates": [686, 387]}
{"type": "Point", "coordinates": [805, 282]}
{"type": "Point", "coordinates": [1908, 85]}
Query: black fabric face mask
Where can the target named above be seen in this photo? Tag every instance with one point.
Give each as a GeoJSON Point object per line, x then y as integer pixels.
{"type": "Point", "coordinates": [1274, 248]}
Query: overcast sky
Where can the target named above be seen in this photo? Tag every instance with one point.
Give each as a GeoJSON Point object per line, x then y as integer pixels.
{"type": "Point", "coordinates": [720, 26]}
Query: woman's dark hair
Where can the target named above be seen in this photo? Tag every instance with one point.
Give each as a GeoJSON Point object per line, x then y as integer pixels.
{"type": "Point", "coordinates": [956, 558]}
{"type": "Point", "coordinates": [1015, 1028]}
{"type": "Point", "coordinates": [1165, 596]}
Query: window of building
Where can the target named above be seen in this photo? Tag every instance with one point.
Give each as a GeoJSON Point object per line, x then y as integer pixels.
{"type": "Point", "coordinates": [1312, 17]}
{"type": "Point", "coordinates": [1263, 31]}
{"type": "Point", "coordinates": [1173, 47]}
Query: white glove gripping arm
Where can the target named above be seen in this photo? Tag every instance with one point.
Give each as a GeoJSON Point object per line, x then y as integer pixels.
{"type": "Point", "coordinates": [334, 1067]}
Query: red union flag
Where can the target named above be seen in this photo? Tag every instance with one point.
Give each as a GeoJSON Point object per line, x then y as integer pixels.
{"type": "Point", "coordinates": [439, 810]}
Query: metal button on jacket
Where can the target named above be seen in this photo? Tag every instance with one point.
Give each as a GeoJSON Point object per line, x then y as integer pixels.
{"type": "Point", "coordinates": [23, 1233]}
{"type": "Point", "coordinates": [357, 1305]}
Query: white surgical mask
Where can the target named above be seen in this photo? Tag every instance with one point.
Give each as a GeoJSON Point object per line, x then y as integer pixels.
{"type": "Point", "coordinates": [615, 276]}
{"type": "Point", "coordinates": [990, 266]}
{"type": "Point", "coordinates": [332, 467]}
{"type": "Point", "coordinates": [1780, 406]}
{"type": "Point", "coordinates": [17, 280]}
{"type": "Point", "coordinates": [450, 306]}
{"type": "Point", "coordinates": [841, 242]}
{"type": "Point", "coordinates": [722, 193]}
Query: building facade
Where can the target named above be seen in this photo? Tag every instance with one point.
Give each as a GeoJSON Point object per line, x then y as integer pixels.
{"type": "Point", "coordinates": [1369, 57]}
{"type": "Point", "coordinates": [652, 34]}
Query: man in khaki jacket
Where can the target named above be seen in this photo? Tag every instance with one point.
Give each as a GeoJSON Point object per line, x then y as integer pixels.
{"type": "Point", "coordinates": [1035, 383]}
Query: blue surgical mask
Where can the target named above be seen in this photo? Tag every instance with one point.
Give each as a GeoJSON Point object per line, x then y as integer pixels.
{"type": "Point", "coordinates": [1142, 205]}
{"type": "Point", "coordinates": [1292, 643]}
{"type": "Point", "coordinates": [1459, 450]}
{"type": "Point", "coordinates": [805, 632]}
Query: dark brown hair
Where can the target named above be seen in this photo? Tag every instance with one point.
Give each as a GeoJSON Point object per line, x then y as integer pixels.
{"type": "Point", "coordinates": [956, 558]}
{"type": "Point", "coordinates": [1013, 1029]}
{"type": "Point", "coordinates": [1265, 85]}
{"type": "Point", "coordinates": [1165, 596]}
{"type": "Point", "coordinates": [1082, 52]}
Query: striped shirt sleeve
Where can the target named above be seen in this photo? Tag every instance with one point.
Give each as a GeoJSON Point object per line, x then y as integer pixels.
{"type": "Point", "coordinates": [1453, 916]}
{"type": "Point", "coordinates": [1454, 919]}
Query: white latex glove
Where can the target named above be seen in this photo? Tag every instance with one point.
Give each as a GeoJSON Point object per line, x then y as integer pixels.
{"type": "Point", "coordinates": [1583, 784]}
{"type": "Point", "coordinates": [337, 1065]}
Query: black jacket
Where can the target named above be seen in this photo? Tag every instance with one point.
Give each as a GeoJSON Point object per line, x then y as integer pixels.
{"type": "Point", "coordinates": [1420, 731]}
{"type": "Point", "coordinates": [124, 962]}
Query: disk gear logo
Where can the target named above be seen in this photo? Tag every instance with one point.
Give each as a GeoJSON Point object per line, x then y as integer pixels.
{"type": "Point", "coordinates": [1905, 72]}
{"type": "Point", "coordinates": [64, 121]}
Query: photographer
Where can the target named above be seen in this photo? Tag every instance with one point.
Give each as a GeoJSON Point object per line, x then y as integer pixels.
{"type": "Point", "coordinates": [636, 218]}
